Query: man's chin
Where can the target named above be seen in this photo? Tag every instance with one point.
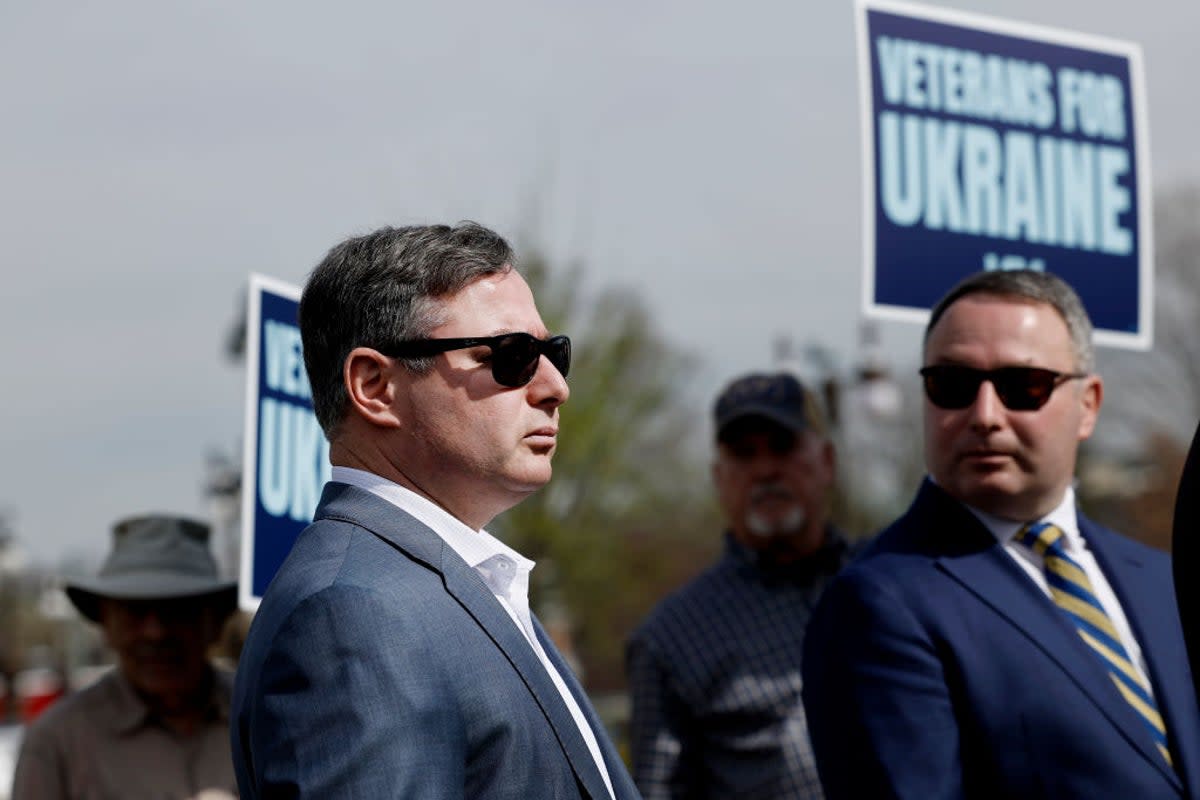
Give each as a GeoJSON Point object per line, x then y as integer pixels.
{"type": "Point", "coordinates": [530, 477]}
{"type": "Point", "coordinates": [773, 534]}
{"type": "Point", "coordinates": [998, 497]}
{"type": "Point", "coordinates": [157, 682]}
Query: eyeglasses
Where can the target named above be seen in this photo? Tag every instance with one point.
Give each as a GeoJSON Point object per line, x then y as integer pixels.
{"type": "Point", "coordinates": [1019, 388]}
{"type": "Point", "coordinates": [515, 356]}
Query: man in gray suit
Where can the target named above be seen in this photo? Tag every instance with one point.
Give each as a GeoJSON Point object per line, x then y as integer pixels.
{"type": "Point", "coordinates": [395, 654]}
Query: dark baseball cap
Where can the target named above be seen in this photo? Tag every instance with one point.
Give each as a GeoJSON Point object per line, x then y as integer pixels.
{"type": "Point", "coordinates": [779, 397]}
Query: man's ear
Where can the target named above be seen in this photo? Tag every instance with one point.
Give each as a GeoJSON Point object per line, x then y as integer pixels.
{"type": "Point", "coordinates": [368, 375]}
{"type": "Point", "coordinates": [1091, 398]}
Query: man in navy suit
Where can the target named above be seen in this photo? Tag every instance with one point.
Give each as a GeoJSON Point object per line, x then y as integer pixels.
{"type": "Point", "coordinates": [993, 641]}
{"type": "Point", "coordinates": [395, 654]}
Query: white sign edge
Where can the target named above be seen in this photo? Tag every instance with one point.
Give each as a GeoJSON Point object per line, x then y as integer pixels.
{"type": "Point", "coordinates": [256, 286]}
{"type": "Point", "coordinates": [920, 316]}
{"type": "Point", "coordinates": [1143, 339]}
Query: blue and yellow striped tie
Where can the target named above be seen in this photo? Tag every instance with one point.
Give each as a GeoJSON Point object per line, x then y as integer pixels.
{"type": "Point", "coordinates": [1072, 592]}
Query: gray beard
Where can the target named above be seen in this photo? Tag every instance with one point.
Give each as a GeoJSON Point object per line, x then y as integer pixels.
{"type": "Point", "coordinates": [789, 524]}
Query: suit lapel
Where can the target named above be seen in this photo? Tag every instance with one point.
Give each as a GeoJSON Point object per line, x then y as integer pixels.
{"type": "Point", "coordinates": [622, 784]}
{"type": "Point", "coordinates": [974, 559]}
{"type": "Point", "coordinates": [465, 585]}
{"type": "Point", "coordinates": [1158, 631]}
{"type": "Point", "coordinates": [997, 581]}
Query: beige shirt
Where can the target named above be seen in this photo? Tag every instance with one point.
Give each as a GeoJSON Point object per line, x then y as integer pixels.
{"type": "Point", "coordinates": [102, 744]}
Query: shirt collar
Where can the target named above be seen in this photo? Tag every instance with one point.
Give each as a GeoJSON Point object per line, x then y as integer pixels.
{"type": "Point", "coordinates": [1063, 516]}
{"type": "Point", "coordinates": [128, 712]}
{"type": "Point", "coordinates": [827, 560]}
{"type": "Point", "coordinates": [473, 546]}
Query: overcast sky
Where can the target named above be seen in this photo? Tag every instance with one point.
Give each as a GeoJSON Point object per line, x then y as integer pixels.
{"type": "Point", "coordinates": [704, 154]}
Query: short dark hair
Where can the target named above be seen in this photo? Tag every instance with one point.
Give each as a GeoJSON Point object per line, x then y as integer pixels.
{"type": "Point", "coordinates": [1035, 286]}
{"type": "Point", "coordinates": [381, 288]}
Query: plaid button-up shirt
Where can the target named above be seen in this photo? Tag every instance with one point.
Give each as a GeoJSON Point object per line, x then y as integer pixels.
{"type": "Point", "coordinates": [714, 674]}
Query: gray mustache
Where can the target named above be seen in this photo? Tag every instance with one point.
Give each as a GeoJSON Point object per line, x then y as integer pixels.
{"type": "Point", "coordinates": [766, 491]}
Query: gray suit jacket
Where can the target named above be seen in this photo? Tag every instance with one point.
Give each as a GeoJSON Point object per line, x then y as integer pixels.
{"type": "Point", "coordinates": [380, 665]}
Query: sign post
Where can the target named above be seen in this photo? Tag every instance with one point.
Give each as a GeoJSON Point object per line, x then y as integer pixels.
{"type": "Point", "coordinates": [285, 459]}
{"type": "Point", "coordinates": [990, 144]}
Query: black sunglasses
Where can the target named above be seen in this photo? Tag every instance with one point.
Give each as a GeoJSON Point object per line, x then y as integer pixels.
{"type": "Point", "coordinates": [515, 356]}
{"type": "Point", "coordinates": [1019, 388]}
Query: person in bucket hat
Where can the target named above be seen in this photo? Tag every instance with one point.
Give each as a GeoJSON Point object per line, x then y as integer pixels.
{"type": "Point", "coordinates": [156, 725]}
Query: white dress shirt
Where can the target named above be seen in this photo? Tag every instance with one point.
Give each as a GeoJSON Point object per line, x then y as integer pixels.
{"type": "Point", "coordinates": [504, 570]}
{"type": "Point", "coordinates": [1064, 517]}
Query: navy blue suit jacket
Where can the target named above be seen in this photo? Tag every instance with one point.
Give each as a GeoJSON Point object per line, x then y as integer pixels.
{"type": "Point", "coordinates": [935, 668]}
{"type": "Point", "coordinates": [380, 665]}
{"type": "Point", "coordinates": [1185, 553]}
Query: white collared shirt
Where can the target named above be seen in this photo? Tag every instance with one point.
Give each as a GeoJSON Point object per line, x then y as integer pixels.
{"type": "Point", "coordinates": [1065, 518]}
{"type": "Point", "coordinates": [498, 565]}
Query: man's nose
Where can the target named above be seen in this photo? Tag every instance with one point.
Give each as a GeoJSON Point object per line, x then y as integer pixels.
{"type": "Point", "coordinates": [152, 625]}
{"type": "Point", "coordinates": [987, 411]}
{"type": "Point", "coordinates": [548, 386]}
{"type": "Point", "coordinates": [764, 465]}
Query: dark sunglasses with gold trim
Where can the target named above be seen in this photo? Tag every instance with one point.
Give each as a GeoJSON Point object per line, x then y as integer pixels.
{"type": "Point", "coordinates": [514, 359]}
{"type": "Point", "coordinates": [952, 386]}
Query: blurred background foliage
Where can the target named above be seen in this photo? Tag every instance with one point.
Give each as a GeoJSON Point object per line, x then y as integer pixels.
{"type": "Point", "coordinates": [627, 515]}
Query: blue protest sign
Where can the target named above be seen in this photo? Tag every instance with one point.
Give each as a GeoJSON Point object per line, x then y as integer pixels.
{"type": "Point", "coordinates": [285, 460]}
{"type": "Point", "coordinates": [996, 145]}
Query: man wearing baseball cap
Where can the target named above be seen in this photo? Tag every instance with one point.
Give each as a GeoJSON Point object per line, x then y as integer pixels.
{"type": "Point", "coordinates": [156, 726]}
{"type": "Point", "coordinates": [714, 671]}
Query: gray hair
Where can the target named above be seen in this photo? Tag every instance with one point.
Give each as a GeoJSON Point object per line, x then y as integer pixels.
{"type": "Point", "coordinates": [382, 288]}
{"type": "Point", "coordinates": [1037, 287]}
